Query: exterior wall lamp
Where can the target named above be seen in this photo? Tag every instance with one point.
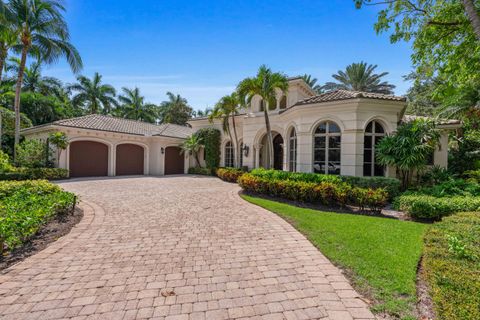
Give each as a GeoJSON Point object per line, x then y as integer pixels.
{"type": "Point", "coordinates": [162, 150]}
{"type": "Point", "coordinates": [245, 150]}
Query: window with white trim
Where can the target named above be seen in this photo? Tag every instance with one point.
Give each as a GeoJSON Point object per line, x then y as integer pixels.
{"type": "Point", "coordinates": [229, 155]}
{"type": "Point", "coordinates": [374, 133]}
{"type": "Point", "coordinates": [292, 149]}
{"type": "Point", "coordinates": [327, 142]}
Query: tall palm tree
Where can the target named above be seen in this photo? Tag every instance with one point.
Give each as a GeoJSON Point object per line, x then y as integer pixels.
{"type": "Point", "coordinates": [264, 85]}
{"type": "Point", "coordinates": [134, 106]}
{"type": "Point", "coordinates": [42, 31]}
{"type": "Point", "coordinates": [176, 110]}
{"type": "Point", "coordinates": [360, 77]}
{"type": "Point", "coordinates": [8, 38]}
{"type": "Point", "coordinates": [93, 95]}
{"type": "Point", "coordinates": [226, 109]}
{"type": "Point", "coordinates": [312, 82]}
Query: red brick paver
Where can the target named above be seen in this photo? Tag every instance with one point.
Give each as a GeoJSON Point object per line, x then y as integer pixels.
{"type": "Point", "coordinates": [178, 247]}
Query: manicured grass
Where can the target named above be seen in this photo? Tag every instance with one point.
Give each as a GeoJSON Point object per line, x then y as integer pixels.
{"type": "Point", "coordinates": [452, 266]}
{"type": "Point", "coordinates": [381, 255]}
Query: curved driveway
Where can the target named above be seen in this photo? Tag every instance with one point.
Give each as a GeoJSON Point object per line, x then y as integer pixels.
{"type": "Point", "coordinates": [180, 247]}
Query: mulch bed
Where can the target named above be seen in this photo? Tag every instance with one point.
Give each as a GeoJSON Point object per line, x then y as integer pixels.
{"type": "Point", "coordinates": [56, 228]}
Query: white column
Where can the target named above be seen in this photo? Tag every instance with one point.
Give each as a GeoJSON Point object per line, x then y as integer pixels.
{"type": "Point", "coordinates": [304, 152]}
{"type": "Point", "coordinates": [112, 160]}
{"type": "Point", "coordinates": [257, 148]}
{"type": "Point", "coordinates": [352, 153]}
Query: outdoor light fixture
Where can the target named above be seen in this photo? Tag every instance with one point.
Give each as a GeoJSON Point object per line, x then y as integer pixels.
{"type": "Point", "coordinates": [245, 150]}
{"type": "Point", "coordinates": [162, 150]}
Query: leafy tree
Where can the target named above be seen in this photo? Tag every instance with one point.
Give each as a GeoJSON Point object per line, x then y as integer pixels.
{"type": "Point", "coordinates": [264, 84]}
{"type": "Point", "coordinates": [465, 152]}
{"type": "Point", "coordinates": [8, 128]}
{"type": "Point", "coordinates": [32, 153]}
{"type": "Point", "coordinates": [360, 77]}
{"type": "Point", "coordinates": [226, 109]}
{"type": "Point", "coordinates": [420, 96]}
{"type": "Point", "coordinates": [312, 82]}
{"type": "Point", "coordinates": [445, 44]}
{"type": "Point", "coordinates": [43, 32]}
{"type": "Point", "coordinates": [93, 95]}
{"type": "Point", "coordinates": [176, 110]}
{"type": "Point", "coordinates": [409, 148]}
{"type": "Point", "coordinates": [134, 106]}
{"type": "Point", "coordinates": [192, 145]}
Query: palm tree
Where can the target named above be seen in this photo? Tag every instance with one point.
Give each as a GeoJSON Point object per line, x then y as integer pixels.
{"type": "Point", "coordinates": [264, 85]}
{"type": "Point", "coordinates": [227, 108]}
{"type": "Point", "coordinates": [202, 113]}
{"type": "Point", "coordinates": [192, 145]}
{"type": "Point", "coordinates": [312, 82]}
{"type": "Point", "coordinates": [360, 77]}
{"type": "Point", "coordinates": [42, 30]}
{"type": "Point", "coordinates": [176, 110]}
{"type": "Point", "coordinates": [93, 95]}
{"type": "Point", "coordinates": [8, 38]}
{"type": "Point", "coordinates": [134, 106]}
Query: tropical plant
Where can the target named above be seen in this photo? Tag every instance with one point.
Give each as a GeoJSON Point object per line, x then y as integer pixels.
{"type": "Point", "coordinates": [59, 140]}
{"type": "Point", "coordinates": [312, 82]}
{"type": "Point", "coordinates": [176, 110]}
{"type": "Point", "coordinates": [202, 113]}
{"type": "Point", "coordinates": [42, 32]}
{"type": "Point", "coordinates": [264, 84]}
{"type": "Point", "coordinates": [211, 141]}
{"type": "Point", "coordinates": [93, 95]}
{"type": "Point", "coordinates": [134, 106]}
{"type": "Point", "coordinates": [409, 148]}
{"type": "Point", "coordinates": [360, 77]}
{"type": "Point", "coordinates": [226, 109]}
{"type": "Point", "coordinates": [8, 37]}
{"type": "Point", "coordinates": [192, 145]}
{"type": "Point", "coordinates": [32, 153]}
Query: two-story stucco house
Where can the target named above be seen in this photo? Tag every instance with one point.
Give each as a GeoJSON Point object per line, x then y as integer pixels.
{"type": "Point", "coordinates": [333, 133]}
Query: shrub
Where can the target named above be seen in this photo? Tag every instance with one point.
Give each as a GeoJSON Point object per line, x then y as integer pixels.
{"type": "Point", "coordinates": [421, 206]}
{"type": "Point", "coordinates": [32, 153]}
{"type": "Point", "coordinates": [325, 192]}
{"type": "Point", "coordinates": [35, 173]}
{"type": "Point", "coordinates": [211, 140]}
{"type": "Point", "coordinates": [229, 174]}
{"type": "Point", "coordinates": [472, 176]}
{"type": "Point", "coordinates": [25, 206]}
{"type": "Point", "coordinates": [390, 185]}
{"type": "Point", "coordinates": [4, 162]}
{"type": "Point", "coordinates": [451, 266]}
{"type": "Point", "coordinates": [200, 170]}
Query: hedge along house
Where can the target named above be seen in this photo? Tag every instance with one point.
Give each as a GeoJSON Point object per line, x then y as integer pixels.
{"type": "Point", "coordinates": [330, 133]}
{"type": "Point", "coordinates": [108, 146]}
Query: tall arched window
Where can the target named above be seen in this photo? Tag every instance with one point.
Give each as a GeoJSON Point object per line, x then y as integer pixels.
{"type": "Point", "coordinates": [292, 151]}
{"type": "Point", "coordinates": [326, 148]}
{"type": "Point", "coordinates": [229, 155]}
{"type": "Point", "coordinates": [373, 134]}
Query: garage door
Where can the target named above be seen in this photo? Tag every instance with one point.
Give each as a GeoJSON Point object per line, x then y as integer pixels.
{"type": "Point", "coordinates": [129, 159]}
{"type": "Point", "coordinates": [174, 161]}
{"type": "Point", "coordinates": [88, 159]}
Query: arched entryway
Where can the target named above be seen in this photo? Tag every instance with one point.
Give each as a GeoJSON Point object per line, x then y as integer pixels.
{"type": "Point", "coordinates": [174, 161]}
{"type": "Point", "coordinates": [277, 152]}
{"type": "Point", "coordinates": [130, 159]}
{"type": "Point", "coordinates": [88, 159]}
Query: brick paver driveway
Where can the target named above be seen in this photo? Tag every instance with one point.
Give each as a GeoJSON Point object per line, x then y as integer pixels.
{"type": "Point", "coordinates": [176, 248]}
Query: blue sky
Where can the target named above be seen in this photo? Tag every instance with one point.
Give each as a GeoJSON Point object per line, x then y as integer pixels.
{"type": "Point", "coordinates": [202, 49]}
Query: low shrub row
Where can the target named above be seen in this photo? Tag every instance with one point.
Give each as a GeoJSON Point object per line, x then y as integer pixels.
{"type": "Point", "coordinates": [325, 192]}
{"type": "Point", "coordinates": [451, 266]}
{"type": "Point", "coordinates": [34, 174]}
{"type": "Point", "coordinates": [422, 206]}
{"type": "Point", "coordinates": [391, 185]}
{"type": "Point", "coordinates": [229, 174]}
{"type": "Point", "coordinates": [25, 206]}
{"type": "Point", "coordinates": [200, 171]}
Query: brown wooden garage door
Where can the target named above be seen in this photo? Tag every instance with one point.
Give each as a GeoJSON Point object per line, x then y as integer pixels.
{"type": "Point", "coordinates": [174, 161]}
{"type": "Point", "coordinates": [88, 159]}
{"type": "Point", "coordinates": [129, 159]}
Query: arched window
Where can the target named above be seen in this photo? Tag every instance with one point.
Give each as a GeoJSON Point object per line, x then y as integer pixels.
{"type": "Point", "coordinates": [229, 155]}
{"type": "Point", "coordinates": [373, 134]}
{"type": "Point", "coordinates": [292, 149]}
{"type": "Point", "coordinates": [326, 148]}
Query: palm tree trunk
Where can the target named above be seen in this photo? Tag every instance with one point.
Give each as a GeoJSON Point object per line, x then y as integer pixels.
{"type": "Point", "coordinates": [237, 150]}
{"type": "Point", "coordinates": [3, 57]}
{"type": "Point", "coordinates": [269, 137]}
{"type": "Point", "coordinates": [230, 135]}
{"type": "Point", "coordinates": [18, 91]}
{"type": "Point", "coordinates": [473, 16]}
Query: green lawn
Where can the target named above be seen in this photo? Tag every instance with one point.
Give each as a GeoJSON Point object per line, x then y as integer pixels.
{"type": "Point", "coordinates": [380, 254]}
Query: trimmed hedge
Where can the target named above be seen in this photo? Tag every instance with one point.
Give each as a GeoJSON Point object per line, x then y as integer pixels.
{"type": "Point", "coordinates": [421, 206]}
{"type": "Point", "coordinates": [325, 192]}
{"type": "Point", "coordinates": [229, 174]}
{"type": "Point", "coordinates": [391, 185]}
{"type": "Point", "coordinates": [35, 174]}
{"type": "Point", "coordinates": [451, 265]}
{"type": "Point", "coordinates": [200, 171]}
{"type": "Point", "coordinates": [26, 205]}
